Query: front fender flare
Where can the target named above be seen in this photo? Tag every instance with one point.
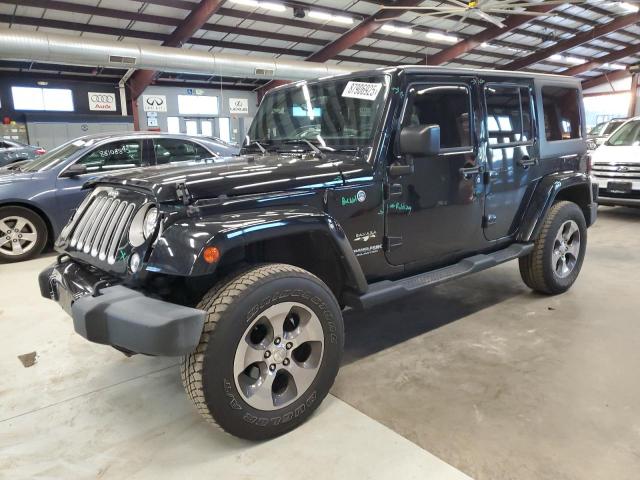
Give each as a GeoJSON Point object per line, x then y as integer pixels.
{"type": "Point", "coordinates": [179, 249]}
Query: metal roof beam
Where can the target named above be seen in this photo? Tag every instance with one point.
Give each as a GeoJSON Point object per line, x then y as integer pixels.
{"type": "Point", "coordinates": [606, 78]}
{"type": "Point", "coordinates": [185, 30]}
{"type": "Point", "coordinates": [575, 41]}
{"type": "Point", "coordinates": [598, 62]}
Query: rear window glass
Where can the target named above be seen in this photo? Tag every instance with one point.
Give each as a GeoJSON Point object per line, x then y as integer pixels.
{"type": "Point", "coordinates": [561, 107]}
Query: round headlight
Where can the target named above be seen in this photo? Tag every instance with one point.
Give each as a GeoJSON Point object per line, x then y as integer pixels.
{"type": "Point", "coordinates": [150, 222]}
{"type": "Point", "coordinates": [135, 262]}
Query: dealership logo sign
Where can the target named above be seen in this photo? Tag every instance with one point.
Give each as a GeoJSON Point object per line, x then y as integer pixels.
{"type": "Point", "coordinates": [102, 102]}
{"type": "Point", "coordinates": [238, 106]}
{"type": "Point", "coordinates": [154, 103]}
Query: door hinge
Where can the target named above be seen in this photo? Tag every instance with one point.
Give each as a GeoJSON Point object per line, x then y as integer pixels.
{"type": "Point", "coordinates": [392, 190]}
{"type": "Point", "coordinates": [488, 220]}
{"type": "Point", "coordinates": [390, 242]}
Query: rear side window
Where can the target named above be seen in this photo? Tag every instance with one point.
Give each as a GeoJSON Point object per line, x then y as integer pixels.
{"type": "Point", "coordinates": [446, 105]}
{"type": "Point", "coordinates": [561, 107]}
{"type": "Point", "coordinates": [169, 150]}
{"type": "Point", "coordinates": [509, 117]}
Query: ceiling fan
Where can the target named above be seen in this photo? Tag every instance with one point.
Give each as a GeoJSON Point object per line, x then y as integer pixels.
{"type": "Point", "coordinates": [483, 9]}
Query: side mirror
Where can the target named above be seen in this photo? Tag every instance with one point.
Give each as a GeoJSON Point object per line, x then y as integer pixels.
{"type": "Point", "coordinates": [75, 170]}
{"type": "Point", "coordinates": [420, 140]}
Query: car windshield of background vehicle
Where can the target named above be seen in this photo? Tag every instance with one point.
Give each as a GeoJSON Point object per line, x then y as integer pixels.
{"type": "Point", "coordinates": [340, 114]}
{"type": "Point", "coordinates": [612, 126]}
{"type": "Point", "coordinates": [597, 130]}
{"type": "Point", "coordinates": [56, 156]}
{"type": "Point", "coordinates": [626, 136]}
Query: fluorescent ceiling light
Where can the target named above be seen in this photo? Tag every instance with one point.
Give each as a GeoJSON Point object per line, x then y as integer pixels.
{"type": "Point", "coordinates": [629, 7]}
{"type": "Point", "coordinates": [442, 37]}
{"type": "Point", "coordinates": [556, 58]}
{"type": "Point", "coordinates": [392, 28]}
{"type": "Point", "coordinates": [277, 7]}
{"type": "Point", "coordinates": [574, 60]}
{"type": "Point", "coordinates": [320, 15]}
{"type": "Point", "coordinates": [614, 66]}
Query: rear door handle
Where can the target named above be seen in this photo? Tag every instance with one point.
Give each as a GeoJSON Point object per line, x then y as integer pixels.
{"type": "Point", "coordinates": [527, 162]}
{"type": "Point", "coordinates": [470, 171]}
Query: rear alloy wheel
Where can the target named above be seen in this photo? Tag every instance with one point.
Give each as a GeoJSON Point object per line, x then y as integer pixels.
{"type": "Point", "coordinates": [555, 262]}
{"type": "Point", "coordinates": [269, 352]}
{"type": "Point", "coordinates": [23, 234]}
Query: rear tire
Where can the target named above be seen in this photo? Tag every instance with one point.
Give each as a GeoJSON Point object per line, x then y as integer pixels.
{"type": "Point", "coordinates": [555, 262]}
{"type": "Point", "coordinates": [23, 234]}
{"type": "Point", "coordinates": [232, 380]}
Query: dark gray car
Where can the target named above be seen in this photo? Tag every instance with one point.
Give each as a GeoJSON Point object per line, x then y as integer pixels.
{"type": "Point", "coordinates": [12, 151]}
{"type": "Point", "coordinates": [37, 197]}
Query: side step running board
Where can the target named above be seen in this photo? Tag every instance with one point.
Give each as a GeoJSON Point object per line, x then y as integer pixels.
{"type": "Point", "coordinates": [388, 290]}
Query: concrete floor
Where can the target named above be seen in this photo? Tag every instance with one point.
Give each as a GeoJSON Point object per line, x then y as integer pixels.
{"type": "Point", "coordinates": [492, 379]}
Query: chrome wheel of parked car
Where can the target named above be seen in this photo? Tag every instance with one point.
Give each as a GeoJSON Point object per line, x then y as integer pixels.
{"type": "Point", "coordinates": [566, 249]}
{"type": "Point", "coordinates": [19, 236]}
{"type": "Point", "coordinates": [279, 356]}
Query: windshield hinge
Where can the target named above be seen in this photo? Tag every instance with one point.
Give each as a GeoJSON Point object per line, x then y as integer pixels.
{"type": "Point", "coordinates": [183, 193]}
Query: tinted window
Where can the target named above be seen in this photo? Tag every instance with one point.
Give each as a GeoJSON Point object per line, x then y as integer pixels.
{"type": "Point", "coordinates": [447, 106]}
{"type": "Point", "coordinates": [508, 114]}
{"type": "Point", "coordinates": [561, 113]}
{"type": "Point", "coordinates": [114, 156]}
{"type": "Point", "coordinates": [175, 150]}
{"type": "Point", "coordinates": [611, 127]}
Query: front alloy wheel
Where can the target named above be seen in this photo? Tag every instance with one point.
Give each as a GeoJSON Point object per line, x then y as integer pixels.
{"type": "Point", "coordinates": [269, 351]}
{"type": "Point", "coordinates": [23, 234]}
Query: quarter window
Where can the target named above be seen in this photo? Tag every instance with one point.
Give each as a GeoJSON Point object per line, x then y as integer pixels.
{"type": "Point", "coordinates": [509, 116]}
{"type": "Point", "coordinates": [114, 156]}
{"type": "Point", "coordinates": [561, 113]}
{"type": "Point", "coordinates": [445, 105]}
{"type": "Point", "coordinates": [169, 150]}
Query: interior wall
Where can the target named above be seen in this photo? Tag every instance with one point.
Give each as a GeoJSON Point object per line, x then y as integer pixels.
{"type": "Point", "coordinates": [239, 122]}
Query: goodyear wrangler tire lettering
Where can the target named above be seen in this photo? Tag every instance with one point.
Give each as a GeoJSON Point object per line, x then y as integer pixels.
{"type": "Point", "coordinates": [235, 307]}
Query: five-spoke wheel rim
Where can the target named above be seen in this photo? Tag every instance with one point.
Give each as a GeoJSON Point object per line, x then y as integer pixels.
{"type": "Point", "coordinates": [279, 356]}
{"type": "Point", "coordinates": [17, 235]}
{"type": "Point", "coordinates": [566, 249]}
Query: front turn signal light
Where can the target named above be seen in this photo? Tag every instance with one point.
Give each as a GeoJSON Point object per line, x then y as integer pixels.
{"type": "Point", "coordinates": [211, 255]}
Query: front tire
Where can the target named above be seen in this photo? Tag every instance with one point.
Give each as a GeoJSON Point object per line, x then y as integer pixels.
{"type": "Point", "coordinates": [269, 352]}
{"type": "Point", "coordinates": [555, 262]}
{"type": "Point", "coordinates": [23, 234]}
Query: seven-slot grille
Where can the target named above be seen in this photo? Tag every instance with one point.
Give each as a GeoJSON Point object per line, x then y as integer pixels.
{"type": "Point", "coordinates": [101, 226]}
{"type": "Point", "coordinates": [618, 171]}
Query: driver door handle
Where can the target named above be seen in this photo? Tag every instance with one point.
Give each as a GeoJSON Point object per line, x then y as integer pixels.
{"type": "Point", "coordinates": [470, 171]}
{"type": "Point", "coordinates": [527, 162]}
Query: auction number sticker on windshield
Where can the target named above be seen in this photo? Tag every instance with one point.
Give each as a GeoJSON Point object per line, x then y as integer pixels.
{"type": "Point", "coordinates": [362, 90]}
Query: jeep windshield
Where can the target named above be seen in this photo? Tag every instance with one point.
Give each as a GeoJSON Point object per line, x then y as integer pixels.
{"type": "Point", "coordinates": [332, 115]}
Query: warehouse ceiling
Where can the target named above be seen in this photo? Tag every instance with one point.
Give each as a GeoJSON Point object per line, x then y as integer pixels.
{"type": "Point", "coordinates": [593, 39]}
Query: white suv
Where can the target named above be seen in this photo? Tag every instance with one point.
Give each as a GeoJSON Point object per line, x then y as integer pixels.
{"type": "Point", "coordinates": [616, 166]}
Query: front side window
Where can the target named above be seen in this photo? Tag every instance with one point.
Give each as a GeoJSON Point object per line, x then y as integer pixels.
{"type": "Point", "coordinates": [170, 150]}
{"type": "Point", "coordinates": [509, 116]}
{"type": "Point", "coordinates": [561, 107]}
{"type": "Point", "coordinates": [114, 156]}
{"type": "Point", "coordinates": [336, 113]}
{"type": "Point", "coordinates": [627, 135]}
{"type": "Point", "coordinates": [448, 106]}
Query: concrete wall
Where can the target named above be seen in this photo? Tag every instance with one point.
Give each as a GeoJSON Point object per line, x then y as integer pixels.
{"type": "Point", "coordinates": [239, 122]}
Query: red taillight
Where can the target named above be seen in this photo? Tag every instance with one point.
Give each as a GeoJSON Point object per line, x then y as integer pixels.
{"type": "Point", "coordinates": [40, 151]}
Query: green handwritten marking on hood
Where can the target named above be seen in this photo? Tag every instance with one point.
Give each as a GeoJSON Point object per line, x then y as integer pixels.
{"type": "Point", "coordinates": [122, 254]}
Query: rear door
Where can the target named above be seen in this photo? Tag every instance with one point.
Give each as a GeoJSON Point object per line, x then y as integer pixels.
{"type": "Point", "coordinates": [512, 155]}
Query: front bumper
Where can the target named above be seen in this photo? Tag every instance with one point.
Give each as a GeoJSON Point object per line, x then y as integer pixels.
{"type": "Point", "coordinates": [618, 201]}
{"type": "Point", "coordinates": [119, 316]}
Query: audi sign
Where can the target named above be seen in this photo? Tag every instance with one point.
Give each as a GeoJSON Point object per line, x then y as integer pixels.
{"type": "Point", "coordinates": [101, 101]}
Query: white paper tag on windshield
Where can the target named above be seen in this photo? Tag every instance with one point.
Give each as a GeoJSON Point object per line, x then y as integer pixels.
{"type": "Point", "coordinates": [362, 90]}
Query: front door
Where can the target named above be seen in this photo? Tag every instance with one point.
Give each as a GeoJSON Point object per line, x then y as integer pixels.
{"type": "Point", "coordinates": [434, 214]}
{"type": "Point", "coordinates": [511, 153]}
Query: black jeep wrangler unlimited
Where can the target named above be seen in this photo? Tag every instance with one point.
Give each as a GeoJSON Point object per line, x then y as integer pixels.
{"type": "Point", "coordinates": [349, 192]}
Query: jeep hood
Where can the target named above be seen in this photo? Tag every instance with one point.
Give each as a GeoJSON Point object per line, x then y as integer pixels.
{"type": "Point", "coordinates": [245, 175]}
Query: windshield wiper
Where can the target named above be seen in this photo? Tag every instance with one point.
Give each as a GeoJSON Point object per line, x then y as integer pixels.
{"type": "Point", "coordinates": [257, 144]}
{"type": "Point", "coordinates": [316, 149]}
